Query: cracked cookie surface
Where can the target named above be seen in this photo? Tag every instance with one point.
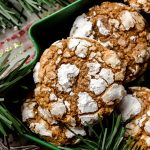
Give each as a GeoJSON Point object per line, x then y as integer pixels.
{"type": "Point", "coordinates": [140, 4]}
{"type": "Point", "coordinates": [135, 108]}
{"type": "Point", "coordinates": [119, 28]}
{"type": "Point", "coordinates": [40, 122]}
{"type": "Point", "coordinates": [79, 79]}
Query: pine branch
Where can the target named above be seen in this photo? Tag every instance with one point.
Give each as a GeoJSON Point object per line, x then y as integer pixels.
{"type": "Point", "coordinates": [8, 121]}
{"type": "Point", "coordinates": [7, 81]}
{"type": "Point", "coordinates": [11, 16]}
{"type": "Point", "coordinates": [107, 134]}
{"type": "Point", "coordinates": [8, 78]}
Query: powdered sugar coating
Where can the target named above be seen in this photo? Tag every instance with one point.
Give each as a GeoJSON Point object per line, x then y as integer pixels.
{"type": "Point", "coordinates": [58, 109]}
{"type": "Point", "coordinates": [114, 93]}
{"type": "Point", "coordinates": [65, 72]}
{"type": "Point", "coordinates": [86, 104]}
{"type": "Point", "coordinates": [78, 131]}
{"type": "Point", "coordinates": [80, 47]}
{"type": "Point", "coordinates": [35, 72]}
{"type": "Point", "coordinates": [139, 121]}
{"type": "Point", "coordinates": [102, 29]}
{"type": "Point", "coordinates": [40, 128]}
{"type": "Point", "coordinates": [97, 86]}
{"type": "Point", "coordinates": [147, 127]}
{"type": "Point", "coordinates": [130, 106]}
{"type": "Point", "coordinates": [88, 119]}
{"type": "Point", "coordinates": [53, 97]}
{"type": "Point", "coordinates": [107, 75]}
{"type": "Point", "coordinates": [47, 128]}
{"type": "Point", "coordinates": [82, 27]}
{"type": "Point", "coordinates": [143, 5]}
{"type": "Point", "coordinates": [94, 68]}
{"type": "Point", "coordinates": [122, 29]}
{"type": "Point", "coordinates": [59, 45]}
{"type": "Point", "coordinates": [28, 110]}
{"type": "Point", "coordinates": [112, 59]}
{"type": "Point", "coordinates": [78, 83]}
{"type": "Point", "coordinates": [147, 141]}
{"type": "Point", "coordinates": [127, 20]}
{"type": "Point", "coordinates": [135, 109]}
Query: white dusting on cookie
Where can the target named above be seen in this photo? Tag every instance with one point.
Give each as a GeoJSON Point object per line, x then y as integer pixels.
{"type": "Point", "coordinates": [97, 86]}
{"type": "Point", "coordinates": [106, 44]}
{"type": "Point", "coordinates": [129, 107]}
{"type": "Point", "coordinates": [140, 120]}
{"type": "Point", "coordinates": [112, 59]}
{"type": "Point", "coordinates": [58, 60]}
{"type": "Point", "coordinates": [58, 44]}
{"type": "Point", "coordinates": [67, 104]}
{"type": "Point", "coordinates": [120, 75]}
{"type": "Point", "coordinates": [114, 22]}
{"type": "Point", "coordinates": [133, 38]}
{"type": "Point", "coordinates": [77, 130]}
{"type": "Point", "coordinates": [65, 72]}
{"type": "Point", "coordinates": [94, 68]}
{"type": "Point", "coordinates": [132, 129]}
{"type": "Point", "coordinates": [148, 113]}
{"type": "Point", "coordinates": [147, 127]}
{"type": "Point", "coordinates": [73, 43]}
{"type": "Point", "coordinates": [41, 128]}
{"type": "Point", "coordinates": [37, 90]}
{"type": "Point", "coordinates": [45, 89]}
{"type": "Point", "coordinates": [36, 73]}
{"type": "Point", "coordinates": [45, 114]}
{"type": "Point", "coordinates": [58, 109]}
{"type": "Point", "coordinates": [66, 54]}
{"type": "Point", "coordinates": [52, 97]}
{"type": "Point", "coordinates": [135, 6]}
{"type": "Point", "coordinates": [144, 2]}
{"type": "Point", "coordinates": [102, 29]}
{"type": "Point", "coordinates": [92, 55]}
{"type": "Point", "coordinates": [59, 51]}
{"type": "Point", "coordinates": [148, 36]}
{"type": "Point", "coordinates": [88, 119]}
{"type": "Point", "coordinates": [141, 56]}
{"type": "Point", "coordinates": [147, 141]}
{"type": "Point", "coordinates": [82, 27]}
{"type": "Point", "coordinates": [71, 94]}
{"type": "Point", "coordinates": [120, 4]}
{"type": "Point", "coordinates": [86, 103]}
{"type": "Point", "coordinates": [80, 46]}
{"type": "Point", "coordinates": [107, 75]}
{"type": "Point", "coordinates": [114, 93]}
{"type": "Point", "coordinates": [71, 120]}
{"type": "Point", "coordinates": [127, 20]}
{"type": "Point", "coordinates": [59, 87]}
{"type": "Point", "coordinates": [28, 110]}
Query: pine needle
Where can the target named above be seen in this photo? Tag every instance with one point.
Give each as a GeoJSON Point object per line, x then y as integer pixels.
{"type": "Point", "coordinates": [11, 16]}
{"type": "Point", "coordinates": [2, 131]}
{"type": "Point", "coordinates": [104, 139]}
{"type": "Point", "coordinates": [8, 122]}
{"type": "Point", "coordinates": [14, 74]}
{"type": "Point", "coordinates": [107, 134]}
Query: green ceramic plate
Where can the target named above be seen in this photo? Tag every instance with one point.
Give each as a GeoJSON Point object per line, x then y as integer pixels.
{"type": "Point", "coordinates": [53, 28]}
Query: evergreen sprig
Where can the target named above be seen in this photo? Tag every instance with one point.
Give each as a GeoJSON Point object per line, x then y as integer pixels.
{"type": "Point", "coordinates": [107, 134]}
{"type": "Point", "coordinates": [9, 76]}
{"type": "Point", "coordinates": [9, 121]}
{"type": "Point", "coordinates": [13, 14]}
